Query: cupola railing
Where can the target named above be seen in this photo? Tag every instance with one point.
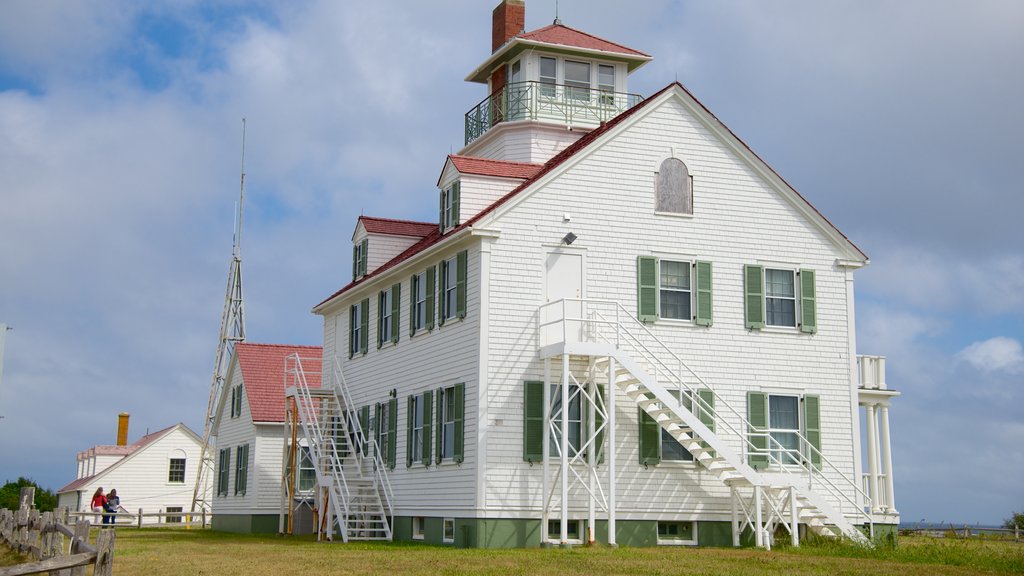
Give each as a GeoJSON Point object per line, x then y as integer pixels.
{"type": "Point", "coordinates": [556, 103]}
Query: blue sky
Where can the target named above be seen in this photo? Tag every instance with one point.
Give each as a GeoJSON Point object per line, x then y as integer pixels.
{"type": "Point", "coordinates": [119, 157]}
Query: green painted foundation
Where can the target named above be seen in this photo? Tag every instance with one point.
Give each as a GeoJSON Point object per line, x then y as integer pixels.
{"type": "Point", "coordinates": [245, 523]}
{"type": "Point", "coordinates": [525, 533]}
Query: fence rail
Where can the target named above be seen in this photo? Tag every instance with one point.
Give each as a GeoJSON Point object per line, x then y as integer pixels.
{"type": "Point", "coordinates": [56, 547]}
{"type": "Point", "coordinates": [124, 518]}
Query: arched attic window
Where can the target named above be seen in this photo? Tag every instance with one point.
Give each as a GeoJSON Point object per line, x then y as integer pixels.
{"type": "Point", "coordinates": [675, 191]}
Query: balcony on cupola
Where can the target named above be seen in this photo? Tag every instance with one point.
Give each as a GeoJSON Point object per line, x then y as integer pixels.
{"type": "Point", "coordinates": [547, 88]}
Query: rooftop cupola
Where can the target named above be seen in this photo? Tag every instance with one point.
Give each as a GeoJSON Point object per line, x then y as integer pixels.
{"type": "Point", "coordinates": [554, 83]}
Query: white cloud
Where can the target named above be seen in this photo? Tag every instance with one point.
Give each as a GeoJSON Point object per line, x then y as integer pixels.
{"type": "Point", "coordinates": [994, 355]}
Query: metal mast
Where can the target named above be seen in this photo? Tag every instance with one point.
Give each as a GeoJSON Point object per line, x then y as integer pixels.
{"type": "Point", "coordinates": [232, 330]}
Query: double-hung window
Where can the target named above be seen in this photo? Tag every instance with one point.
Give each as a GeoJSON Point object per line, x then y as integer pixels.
{"type": "Point", "coordinates": [449, 287]}
{"type": "Point", "coordinates": [384, 329]}
{"type": "Point", "coordinates": [449, 209]}
{"type": "Point", "coordinates": [577, 414]}
{"type": "Point", "coordinates": [784, 429]}
{"type": "Point", "coordinates": [574, 424]}
{"type": "Point", "coordinates": [452, 292]}
{"type": "Point", "coordinates": [674, 290]}
{"type": "Point", "coordinates": [577, 80]}
{"type": "Point", "coordinates": [606, 84]}
{"type": "Point", "coordinates": [223, 471]}
{"type": "Point", "coordinates": [358, 333]}
{"type": "Point", "coordinates": [780, 297]}
{"type": "Point", "coordinates": [359, 254]}
{"type": "Point", "coordinates": [307, 471]}
{"type": "Point", "coordinates": [241, 469]}
{"type": "Point", "coordinates": [386, 427]}
{"type": "Point", "coordinates": [419, 416]}
{"type": "Point", "coordinates": [671, 449]}
{"type": "Point", "coordinates": [449, 422]}
{"type": "Point", "coordinates": [419, 302]}
{"type": "Point", "coordinates": [548, 76]}
{"type": "Point", "coordinates": [176, 471]}
{"type": "Point", "coordinates": [657, 444]}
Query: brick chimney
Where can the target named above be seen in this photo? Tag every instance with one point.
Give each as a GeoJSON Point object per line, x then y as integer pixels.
{"type": "Point", "coordinates": [122, 429]}
{"type": "Point", "coordinates": [507, 20]}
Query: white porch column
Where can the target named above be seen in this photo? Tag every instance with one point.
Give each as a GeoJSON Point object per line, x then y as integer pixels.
{"type": "Point", "coordinates": [758, 528]}
{"type": "Point", "coordinates": [887, 459]}
{"type": "Point", "coordinates": [872, 425]}
{"type": "Point", "coordinates": [734, 496]}
{"type": "Point", "coordinates": [794, 518]}
{"type": "Point", "coordinates": [564, 474]}
{"type": "Point", "coordinates": [592, 458]}
{"type": "Point", "coordinates": [610, 435]}
{"type": "Point", "coordinates": [546, 454]}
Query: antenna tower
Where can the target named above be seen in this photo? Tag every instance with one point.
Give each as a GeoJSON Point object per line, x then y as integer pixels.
{"type": "Point", "coordinates": [232, 331]}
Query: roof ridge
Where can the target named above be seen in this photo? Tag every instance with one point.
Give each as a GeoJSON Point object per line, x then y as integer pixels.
{"type": "Point", "coordinates": [400, 220]}
{"type": "Point", "coordinates": [267, 345]}
{"type": "Point", "coordinates": [492, 160]}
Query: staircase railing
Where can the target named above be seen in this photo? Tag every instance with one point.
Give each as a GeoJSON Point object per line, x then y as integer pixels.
{"type": "Point", "coordinates": [380, 476]}
{"type": "Point", "coordinates": [609, 322]}
{"type": "Point", "coordinates": [322, 447]}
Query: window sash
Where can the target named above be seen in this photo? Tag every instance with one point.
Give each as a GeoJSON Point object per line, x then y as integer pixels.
{"type": "Point", "coordinates": [417, 428]}
{"type": "Point", "coordinates": [176, 471]}
{"type": "Point", "coordinates": [307, 471]}
{"type": "Point", "coordinates": [353, 327]}
{"type": "Point", "coordinates": [548, 76]}
{"type": "Point", "coordinates": [420, 300]}
{"type": "Point", "coordinates": [385, 316]}
{"type": "Point", "coordinates": [575, 424]}
{"type": "Point", "coordinates": [450, 287]}
{"type": "Point", "coordinates": [675, 290]}
{"type": "Point", "coordinates": [780, 297]}
{"type": "Point", "coordinates": [447, 208]}
{"type": "Point", "coordinates": [447, 423]}
{"type": "Point", "coordinates": [784, 427]}
{"type": "Point", "coordinates": [671, 449]}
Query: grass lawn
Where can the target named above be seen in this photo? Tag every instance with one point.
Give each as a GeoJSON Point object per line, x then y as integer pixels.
{"type": "Point", "coordinates": [177, 551]}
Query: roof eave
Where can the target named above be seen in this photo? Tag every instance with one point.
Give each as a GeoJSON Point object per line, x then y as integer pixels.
{"type": "Point", "coordinates": [482, 72]}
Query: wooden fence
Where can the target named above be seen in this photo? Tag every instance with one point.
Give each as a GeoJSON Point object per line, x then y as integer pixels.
{"type": "Point", "coordinates": [143, 519]}
{"type": "Point", "coordinates": [42, 537]}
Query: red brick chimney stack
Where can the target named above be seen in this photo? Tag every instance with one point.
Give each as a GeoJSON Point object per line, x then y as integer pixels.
{"type": "Point", "coordinates": [507, 20]}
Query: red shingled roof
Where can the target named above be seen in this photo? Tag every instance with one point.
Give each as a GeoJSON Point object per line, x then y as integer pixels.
{"type": "Point", "coordinates": [397, 227]}
{"type": "Point", "coordinates": [490, 167]}
{"type": "Point", "coordinates": [435, 236]}
{"type": "Point", "coordinates": [263, 375]}
{"type": "Point", "coordinates": [565, 36]}
{"type": "Point", "coordinates": [114, 450]}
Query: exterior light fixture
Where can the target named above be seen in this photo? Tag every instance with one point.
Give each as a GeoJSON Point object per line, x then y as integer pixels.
{"type": "Point", "coordinates": [569, 238]}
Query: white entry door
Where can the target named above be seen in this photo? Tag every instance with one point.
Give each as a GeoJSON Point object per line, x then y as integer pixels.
{"type": "Point", "coordinates": [563, 280]}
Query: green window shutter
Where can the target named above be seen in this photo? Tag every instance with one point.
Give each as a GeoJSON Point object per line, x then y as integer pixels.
{"type": "Point", "coordinates": [533, 421]}
{"type": "Point", "coordinates": [704, 301]}
{"type": "Point", "coordinates": [440, 211]}
{"type": "Point", "coordinates": [392, 432]}
{"type": "Point", "coordinates": [408, 431]}
{"type": "Point", "coordinates": [234, 391]}
{"type": "Point", "coordinates": [460, 293]}
{"type": "Point", "coordinates": [431, 274]}
{"type": "Point", "coordinates": [355, 261]}
{"type": "Point", "coordinates": [363, 256]}
{"type": "Point", "coordinates": [456, 198]}
{"type": "Point", "coordinates": [753, 289]}
{"type": "Point", "coordinates": [650, 440]}
{"type": "Point", "coordinates": [438, 446]}
{"type": "Point", "coordinates": [757, 416]}
{"type": "Point", "coordinates": [460, 416]}
{"type": "Point", "coordinates": [364, 322]}
{"type": "Point", "coordinates": [380, 318]}
{"type": "Point", "coordinates": [808, 310]}
{"type": "Point", "coordinates": [396, 309]}
{"type": "Point", "coordinates": [647, 288]}
{"type": "Point", "coordinates": [427, 405]}
{"type": "Point", "coordinates": [706, 411]}
{"type": "Point", "coordinates": [599, 421]}
{"type": "Point", "coordinates": [812, 429]}
{"type": "Point", "coordinates": [351, 322]}
{"type": "Point", "coordinates": [442, 272]}
{"type": "Point", "coordinates": [364, 425]}
{"type": "Point", "coordinates": [412, 304]}
{"type": "Point", "coordinates": [378, 412]}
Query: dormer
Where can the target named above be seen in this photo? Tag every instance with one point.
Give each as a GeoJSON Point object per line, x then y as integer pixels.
{"type": "Point", "coordinates": [468, 185]}
{"type": "Point", "coordinates": [376, 241]}
{"type": "Point", "coordinates": [547, 88]}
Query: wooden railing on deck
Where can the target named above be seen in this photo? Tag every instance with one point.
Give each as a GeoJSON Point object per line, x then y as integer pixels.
{"type": "Point", "coordinates": [42, 537]}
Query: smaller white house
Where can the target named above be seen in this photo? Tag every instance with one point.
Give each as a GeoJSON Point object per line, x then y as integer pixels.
{"type": "Point", "coordinates": [249, 428]}
{"type": "Point", "coordinates": [156, 473]}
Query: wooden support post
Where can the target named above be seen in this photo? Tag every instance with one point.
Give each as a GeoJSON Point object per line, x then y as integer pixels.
{"type": "Point", "coordinates": [140, 517]}
{"type": "Point", "coordinates": [734, 496]}
{"type": "Point", "coordinates": [105, 553]}
{"type": "Point", "coordinates": [758, 529]}
{"type": "Point", "coordinates": [81, 537]}
{"type": "Point", "coordinates": [794, 518]}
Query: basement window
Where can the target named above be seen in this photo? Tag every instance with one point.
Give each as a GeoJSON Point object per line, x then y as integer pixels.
{"type": "Point", "coordinates": [677, 533]}
{"type": "Point", "coordinates": [449, 530]}
{"type": "Point", "coordinates": [417, 528]}
{"type": "Point", "coordinates": [572, 530]}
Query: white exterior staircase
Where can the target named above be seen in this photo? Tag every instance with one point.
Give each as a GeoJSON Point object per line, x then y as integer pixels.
{"type": "Point", "coordinates": [788, 492]}
{"type": "Point", "coordinates": [350, 472]}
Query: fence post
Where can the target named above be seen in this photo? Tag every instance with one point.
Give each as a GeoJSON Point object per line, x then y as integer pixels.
{"type": "Point", "coordinates": [1016, 533]}
{"type": "Point", "coordinates": [140, 517]}
{"type": "Point", "coordinates": [81, 535]}
{"type": "Point", "coordinates": [104, 553]}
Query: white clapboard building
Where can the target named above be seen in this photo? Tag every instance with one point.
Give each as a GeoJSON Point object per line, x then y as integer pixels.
{"type": "Point", "coordinates": [625, 328]}
{"type": "Point", "coordinates": [156, 473]}
{"type": "Point", "coordinates": [249, 428]}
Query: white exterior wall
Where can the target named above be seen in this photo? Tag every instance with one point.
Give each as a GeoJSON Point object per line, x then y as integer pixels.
{"type": "Point", "coordinates": [232, 433]}
{"type": "Point", "coordinates": [737, 220]}
{"type": "Point", "coordinates": [523, 141]}
{"type": "Point", "coordinates": [141, 480]}
{"type": "Point", "coordinates": [445, 356]}
{"type": "Point", "coordinates": [381, 248]}
{"type": "Point", "coordinates": [477, 192]}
